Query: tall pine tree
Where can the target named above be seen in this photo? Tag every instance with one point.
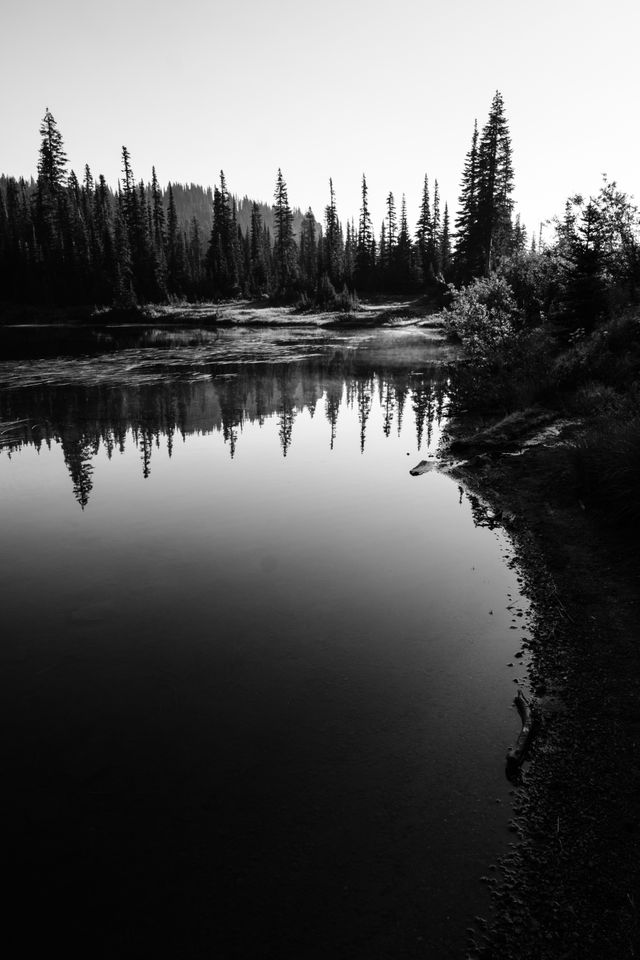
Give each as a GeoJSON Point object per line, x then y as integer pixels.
{"type": "Point", "coordinates": [284, 244]}
{"type": "Point", "coordinates": [484, 224]}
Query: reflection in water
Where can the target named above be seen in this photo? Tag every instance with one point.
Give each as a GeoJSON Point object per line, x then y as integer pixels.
{"type": "Point", "coordinates": [82, 418]}
{"type": "Point", "coordinates": [258, 705]}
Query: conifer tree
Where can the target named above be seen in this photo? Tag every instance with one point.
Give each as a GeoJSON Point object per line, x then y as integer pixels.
{"type": "Point", "coordinates": [392, 224]}
{"type": "Point", "coordinates": [383, 250]}
{"type": "Point", "coordinates": [175, 249]}
{"type": "Point", "coordinates": [423, 231]}
{"type": "Point", "coordinates": [52, 160]}
{"type": "Point", "coordinates": [50, 206]}
{"type": "Point", "coordinates": [259, 276]}
{"type": "Point", "coordinates": [124, 295]}
{"type": "Point", "coordinates": [222, 256]}
{"type": "Point", "coordinates": [284, 245]}
{"type": "Point", "coordinates": [435, 231]}
{"type": "Point", "coordinates": [349, 255]}
{"type": "Point", "coordinates": [129, 197]}
{"type": "Point", "coordinates": [195, 255]}
{"type": "Point", "coordinates": [519, 236]}
{"type": "Point", "coordinates": [333, 241]}
{"type": "Point", "coordinates": [403, 252]}
{"type": "Point", "coordinates": [495, 186]}
{"type": "Point", "coordinates": [467, 219]}
{"type": "Point", "coordinates": [158, 212]}
{"type": "Point", "coordinates": [365, 244]}
{"type": "Point", "coordinates": [445, 244]}
{"type": "Point", "coordinates": [308, 250]}
{"type": "Point", "coordinates": [158, 238]}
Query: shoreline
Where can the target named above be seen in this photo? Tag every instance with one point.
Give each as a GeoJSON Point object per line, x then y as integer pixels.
{"type": "Point", "coordinates": [400, 310]}
{"type": "Point", "coordinates": [420, 310]}
{"type": "Point", "coordinates": [570, 885]}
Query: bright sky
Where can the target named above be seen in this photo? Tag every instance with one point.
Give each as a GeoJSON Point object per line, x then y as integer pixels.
{"type": "Point", "coordinates": [328, 88]}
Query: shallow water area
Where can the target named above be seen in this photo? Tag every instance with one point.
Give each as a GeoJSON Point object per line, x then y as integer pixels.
{"type": "Point", "coordinates": [256, 672]}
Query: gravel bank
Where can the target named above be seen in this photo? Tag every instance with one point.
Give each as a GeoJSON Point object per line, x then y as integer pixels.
{"type": "Point", "coordinates": [570, 887]}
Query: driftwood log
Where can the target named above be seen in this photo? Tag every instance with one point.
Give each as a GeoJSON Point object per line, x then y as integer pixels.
{"type": "Point", "coordinates": [516, 754]}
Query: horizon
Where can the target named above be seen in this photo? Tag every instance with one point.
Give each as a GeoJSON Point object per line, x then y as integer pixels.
{"type": "Point", "coordinates": [566, 128]}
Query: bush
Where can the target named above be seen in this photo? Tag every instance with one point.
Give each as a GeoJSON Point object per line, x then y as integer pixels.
{"type": "Point", "coordinates": [504, 367]}
{"type": "Point", "coordinates": [484, 317]}
{"type": "Point", "coordinates": [610, 355]}
{"type": "Point", "coordinates": [326, 298]}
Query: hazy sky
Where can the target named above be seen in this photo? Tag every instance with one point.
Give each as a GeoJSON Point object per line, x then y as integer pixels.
{"type": "Point", "coordinates": [328, 88]}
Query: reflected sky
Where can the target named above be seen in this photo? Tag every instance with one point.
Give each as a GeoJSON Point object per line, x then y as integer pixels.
{"type": "Point", "coordinates": [260, 678]}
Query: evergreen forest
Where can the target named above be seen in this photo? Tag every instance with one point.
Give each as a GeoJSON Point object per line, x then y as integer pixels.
{"type": "Point", "coordinates": [69, 240]}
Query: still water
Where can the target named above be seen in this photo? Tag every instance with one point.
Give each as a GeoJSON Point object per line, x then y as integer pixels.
{"type": "Point", "coordinates": [254, 673]}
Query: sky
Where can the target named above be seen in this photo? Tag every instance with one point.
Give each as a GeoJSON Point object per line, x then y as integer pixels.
{"type": "Point", "coordinates": [328, 88]}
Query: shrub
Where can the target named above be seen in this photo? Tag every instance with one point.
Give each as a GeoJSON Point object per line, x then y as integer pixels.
{"type": "Point", "coordinates": [610, 355]}
{"type": "Point", "coordinates": [483, 316]}
{"type": "Point", "coordinates": [504, 367]}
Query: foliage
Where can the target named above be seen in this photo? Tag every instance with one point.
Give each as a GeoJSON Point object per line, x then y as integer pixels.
{"type": "Point", "coordinates": [609, 355]}
{"type": "Point", "coordinates": [484, 316]}
{"type": "Point", "coordinates": [327, 298]}
{"type": "Point", "coordinates": [504, 366]}
{"type": "Point", "coordinates": [596, 258]}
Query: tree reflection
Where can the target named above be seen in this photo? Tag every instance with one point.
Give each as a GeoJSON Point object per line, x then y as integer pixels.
{"type": "Point", "coordinates": [332, 403]}
{"type": "Point", "coordinates": [77, 456]}
{"type": "Point", "coordinates": [79, 418]}
{"type": "Point", "coordinates": [287, 412]}
{"type": "Point", "coordinates": [364, 392]}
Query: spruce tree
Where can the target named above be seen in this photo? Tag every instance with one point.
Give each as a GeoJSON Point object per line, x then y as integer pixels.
{"type": "Point", "coordinates": [495, 186]}
{"type": "Point", "coordinates": [259, 275]}
{"type": "Point", "coordinates": [50, 198]}
{"type": "Point", "coordinates": [392, 224]}
{"type": "Point", "coordinates": [158, 212]}
{"type": "Point", "coordinates": [222, 255]}
{"type": "Point", "coordinates": [403, 251]}
{"type": "Point", "coordinates": [423, 230]}
{"type": "Point", "coordinates": [332, 241]}
{"type": "Point", "coordinates": [365, 244]}
{"type": "Point", "coordinates": [466, 255]}
{"type": "Point", "coordinates": [123, 292]}
{"type": "Point", "coordinates": [349, 255]}
{"type": "Point", "coordinates": [175, 249]}
{"type": "Point", "coordinates": [195, 255]}
{"type": "Point", "coordinates": [129, 197]}
{"type": "Point", "coordinates": [445, 244]}
{"type": "Point", "coordinates": [308, 250]}
{"type": "Point", "coordinates": [52, 160]}
{"type": "Point", "coordinates": [284, 245]}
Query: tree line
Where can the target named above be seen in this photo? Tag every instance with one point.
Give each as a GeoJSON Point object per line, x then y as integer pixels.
{"type": "Point", "coordinates": [66, 240]}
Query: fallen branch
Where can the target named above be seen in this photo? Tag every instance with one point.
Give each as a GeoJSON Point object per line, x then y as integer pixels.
{"type": "Point", "coordinates": [516, 754]}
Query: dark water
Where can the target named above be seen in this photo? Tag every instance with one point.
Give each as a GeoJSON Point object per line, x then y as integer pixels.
{"type": "Point", "coordinates": [254, 682]}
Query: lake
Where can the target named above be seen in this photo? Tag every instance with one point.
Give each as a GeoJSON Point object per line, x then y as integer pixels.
{"type": "Point", "coordinates": [255, 674]}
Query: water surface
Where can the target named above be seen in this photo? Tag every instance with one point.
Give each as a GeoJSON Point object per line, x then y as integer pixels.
{"type": "Point", "coordinates": [254, 671]}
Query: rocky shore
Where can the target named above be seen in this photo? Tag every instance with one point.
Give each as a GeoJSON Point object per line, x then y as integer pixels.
{"type": "Point", "coordinates": [570, 886]}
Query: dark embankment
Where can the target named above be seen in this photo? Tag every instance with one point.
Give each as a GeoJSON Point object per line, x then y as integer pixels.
{"type": "Point", "coordinates": [563, 475]}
